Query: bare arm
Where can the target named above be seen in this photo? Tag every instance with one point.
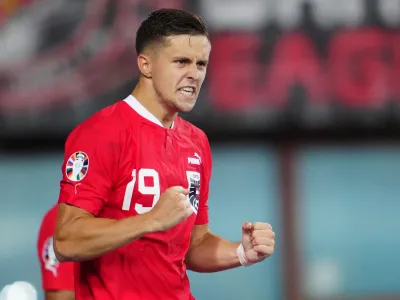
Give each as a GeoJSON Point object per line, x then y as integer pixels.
{"type": "Point", "coordinates": [59, 295]}
{"type": "Point", "coordinates": [210, 253]}
{"type": "Point", "coordinates": [80, 236]}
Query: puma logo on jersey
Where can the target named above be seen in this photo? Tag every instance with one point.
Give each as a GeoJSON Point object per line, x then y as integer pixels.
{"type": "Point", "coordinates": [195, 160]}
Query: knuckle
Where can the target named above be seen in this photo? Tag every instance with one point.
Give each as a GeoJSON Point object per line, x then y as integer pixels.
{"type": "Point", "coordinates": [256, 225]}
{"type": "Point", "coordinates": [262, 226]}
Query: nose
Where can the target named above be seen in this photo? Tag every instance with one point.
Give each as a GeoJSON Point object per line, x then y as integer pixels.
{"type": "Point", "coordinates": [193, 72]}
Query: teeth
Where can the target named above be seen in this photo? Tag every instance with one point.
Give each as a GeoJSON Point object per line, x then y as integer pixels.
{"type": "Point", "coordinates": [188, 89]}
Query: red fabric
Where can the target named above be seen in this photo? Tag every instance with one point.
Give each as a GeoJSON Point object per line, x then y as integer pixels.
{"type": "Point", "coordinates": [120, 150]}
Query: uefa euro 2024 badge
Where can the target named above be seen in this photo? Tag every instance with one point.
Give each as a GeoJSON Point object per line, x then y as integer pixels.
{"type": "Point", "coordinates": [77, 166]}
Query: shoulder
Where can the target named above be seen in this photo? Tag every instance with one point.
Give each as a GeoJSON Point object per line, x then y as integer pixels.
{"type": "Point", "coordinates": [108, 124]}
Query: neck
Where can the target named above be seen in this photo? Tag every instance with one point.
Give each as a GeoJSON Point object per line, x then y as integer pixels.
{"type": "Point", "coordinates": [154, 104]}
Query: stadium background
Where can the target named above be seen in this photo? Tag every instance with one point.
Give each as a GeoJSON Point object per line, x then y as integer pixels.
{"type": "Point", "coordinates": [301, 105]}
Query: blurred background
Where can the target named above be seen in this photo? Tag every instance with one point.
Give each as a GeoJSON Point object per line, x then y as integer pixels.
{"type": "Point", "coordinates": [302, 108]}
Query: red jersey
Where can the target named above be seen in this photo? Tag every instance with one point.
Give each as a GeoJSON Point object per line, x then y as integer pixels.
{"type": "Point", "coordinates": [55, 275]}
{"type": "Point", "coordinates": [117, 164]}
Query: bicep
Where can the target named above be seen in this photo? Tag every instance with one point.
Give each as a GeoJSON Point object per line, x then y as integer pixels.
{"type": "Point", "coordinates": [59, 295]}
{"type": "Point", "coordinates": [68, 214]}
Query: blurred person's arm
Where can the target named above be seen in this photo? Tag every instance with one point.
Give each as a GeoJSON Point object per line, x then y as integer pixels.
{"type": "Point", "coordinates": [59, 295]}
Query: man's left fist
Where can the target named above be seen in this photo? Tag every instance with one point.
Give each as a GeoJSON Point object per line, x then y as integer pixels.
{"type": "Point", "coordinates": [258, 241]}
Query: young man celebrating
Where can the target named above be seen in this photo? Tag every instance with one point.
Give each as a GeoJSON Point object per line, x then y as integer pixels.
{"type": "Point", "coordinates": [133, 201]}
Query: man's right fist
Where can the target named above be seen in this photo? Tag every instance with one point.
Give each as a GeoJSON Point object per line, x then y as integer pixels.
{"type": "Point", "coordinates": [171, 209]}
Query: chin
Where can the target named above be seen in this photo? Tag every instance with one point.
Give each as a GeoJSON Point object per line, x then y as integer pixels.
{"type": "Point", "coordinates": [184, 106]}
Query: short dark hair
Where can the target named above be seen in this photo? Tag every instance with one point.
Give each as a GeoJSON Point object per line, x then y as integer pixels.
{"type": "Point", "coordinates": [167, 22]}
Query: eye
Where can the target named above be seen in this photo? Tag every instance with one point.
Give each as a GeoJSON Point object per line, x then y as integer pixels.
{"type": "Point", "coordinates": [181, 61]}
{"type": "Point", "coordinates": [202, 64]}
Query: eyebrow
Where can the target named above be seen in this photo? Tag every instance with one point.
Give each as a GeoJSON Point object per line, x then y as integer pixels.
{"type": "Point", "coordinates": [203, 61]}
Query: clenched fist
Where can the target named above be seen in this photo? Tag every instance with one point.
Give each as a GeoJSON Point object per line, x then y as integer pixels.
{"type": "Point", "coordinates": [171, 209]}
{"type": "Point", "coordinates": [258, 241]}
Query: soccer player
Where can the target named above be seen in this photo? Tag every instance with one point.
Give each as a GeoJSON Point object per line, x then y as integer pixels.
{"type": "Point", "coordinates": [133, 199]}
{"type": "Point", "coordinates": [57, 278]}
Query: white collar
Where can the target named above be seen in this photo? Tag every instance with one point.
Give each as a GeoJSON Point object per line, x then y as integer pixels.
{"type": "Point", "coordinates": [141, 110]}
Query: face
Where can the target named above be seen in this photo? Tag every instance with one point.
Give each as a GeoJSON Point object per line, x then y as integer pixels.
{"type": "Point", "coordinates": [178, 69]}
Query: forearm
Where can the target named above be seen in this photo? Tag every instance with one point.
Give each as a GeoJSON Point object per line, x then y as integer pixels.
{"type": "Point", "coordinates": [59, 295]}
{"type": "Point", "coordinates": [212, 254]}
{"type": "Point", "coordinates": [88, 237]}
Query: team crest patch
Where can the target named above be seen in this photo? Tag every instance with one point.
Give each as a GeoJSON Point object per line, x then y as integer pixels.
{"type": "Point", "coordinates": [50, 260]}
{"type": "Point", "coordinates": [77, 166]}
{"type": "Point", "coordinates": [194, 189]}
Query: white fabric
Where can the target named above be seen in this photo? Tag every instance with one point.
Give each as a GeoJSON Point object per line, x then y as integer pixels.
{"type": "Point", "coordinates": [242, 256]}
{"type": "Point", "coordinates": [141, 110]}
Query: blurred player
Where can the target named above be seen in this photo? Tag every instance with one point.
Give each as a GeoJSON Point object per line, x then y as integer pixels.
{"type": "Point", "coordinates": [57, 278]}
{"type": "Point", "coordinates": [133, 200]}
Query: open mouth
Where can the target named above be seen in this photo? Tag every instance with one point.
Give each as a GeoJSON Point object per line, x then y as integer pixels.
{"type": "Point", "coordinates": [188, 90]}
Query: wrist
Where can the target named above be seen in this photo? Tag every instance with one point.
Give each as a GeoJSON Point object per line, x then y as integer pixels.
{"type": "Point", "coordinates": [141, 225]}
{"type": "Point", "coordinates": [242, 256]}
{"type": "Point", "coordinates": [151, 224]}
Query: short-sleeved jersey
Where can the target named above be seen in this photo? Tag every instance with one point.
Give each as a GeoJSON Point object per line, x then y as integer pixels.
{"type": "Point", "coordinates": [117, 164]}
{"type": "Point", "coordinates": [55, 275]}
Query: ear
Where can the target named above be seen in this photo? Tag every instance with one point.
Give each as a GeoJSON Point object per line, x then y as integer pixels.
{"type": "Point", "coordinates": [144, 64]}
